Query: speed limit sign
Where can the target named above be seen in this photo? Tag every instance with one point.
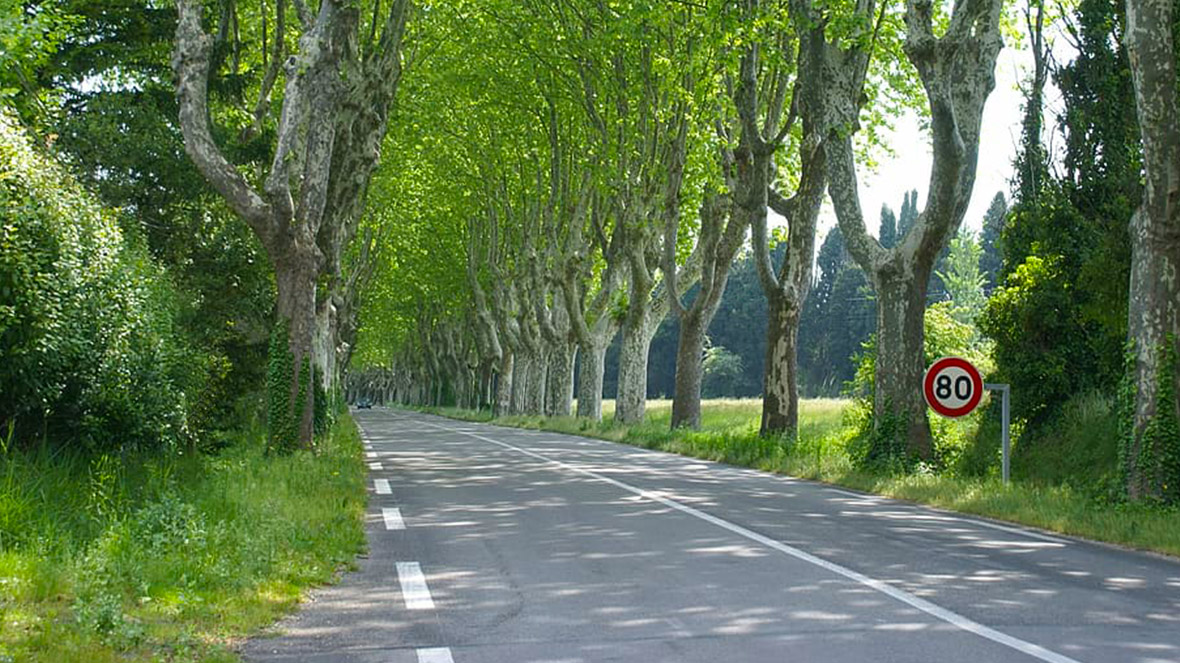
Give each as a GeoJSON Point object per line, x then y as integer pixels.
{"type": "Point", "coordinates": [953, 387]}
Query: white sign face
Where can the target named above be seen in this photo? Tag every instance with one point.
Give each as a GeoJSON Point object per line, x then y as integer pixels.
{"type": "Point", "coordinates": [953, 387]}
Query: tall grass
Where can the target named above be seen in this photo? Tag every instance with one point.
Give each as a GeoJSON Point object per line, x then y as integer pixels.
{"type": "Point", "coordinates": [129, 559]}
{"type": "Point", "coordinates": [1065, 475]}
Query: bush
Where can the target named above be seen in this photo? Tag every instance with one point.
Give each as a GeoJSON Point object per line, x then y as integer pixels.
{"type": "Point", "coordinates": [882, 447]}
{"type": "Point", "coordinates": [88, 350]}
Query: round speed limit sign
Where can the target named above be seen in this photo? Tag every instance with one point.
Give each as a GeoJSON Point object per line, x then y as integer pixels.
{"type": "Point", "coordinates": [953, 387]}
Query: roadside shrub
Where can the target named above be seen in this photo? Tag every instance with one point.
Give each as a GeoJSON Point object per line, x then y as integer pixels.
{"type": "Point", "coordinates": [88, 350]}
{"type": "Point", "coordinates": [881, 445]}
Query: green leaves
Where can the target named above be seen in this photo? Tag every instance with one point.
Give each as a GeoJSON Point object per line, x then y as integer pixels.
{"type": "Point", "coordinates": [87, 345]}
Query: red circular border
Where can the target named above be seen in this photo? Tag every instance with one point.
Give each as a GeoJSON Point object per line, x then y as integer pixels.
{"type": "Point", "coordinates": [932, 373]}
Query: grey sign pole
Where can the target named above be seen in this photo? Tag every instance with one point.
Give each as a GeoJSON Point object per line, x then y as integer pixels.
{"type": "Point", "coordinates": [1006, 443]}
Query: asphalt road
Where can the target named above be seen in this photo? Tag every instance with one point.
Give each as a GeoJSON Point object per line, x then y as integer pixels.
{"type": "Point", "coordinates": [500, 545]}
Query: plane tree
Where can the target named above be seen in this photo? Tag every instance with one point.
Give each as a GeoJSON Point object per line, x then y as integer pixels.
{"type": "Point", "coordinates": [340, 68]}
{"type": "Point", "coordinates": [1151, 450]}
{"type": "Point", "coordinates": [954, 56]}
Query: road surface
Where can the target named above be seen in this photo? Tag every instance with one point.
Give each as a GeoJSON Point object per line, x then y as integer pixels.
{"type": "Point", "coordinates": [497, 545]}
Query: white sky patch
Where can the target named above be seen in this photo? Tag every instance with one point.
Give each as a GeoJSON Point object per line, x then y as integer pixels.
{"type": "Point", "coordinates": [909, 167]}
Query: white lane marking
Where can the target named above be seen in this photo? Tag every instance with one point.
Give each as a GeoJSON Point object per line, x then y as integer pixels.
{"type": "Point", "coordinates": [393, 519]}
{"type": "Point", "coordinates": [850, 493]}
{"type": "Point", "coordinates": [1016, 530]}
{"type": "Point", "coordinates": [414, 590]}
{"type": "Point", "coordinates": [370, 454]}
{"type": "Point", "coordinates": [435, 655]}
{"type": "Point", "coordinates": [375, 466]}
{"type": "Point", "coordinates": [936, 611]}
{"type": "Point", "coordinates": [382, 487]}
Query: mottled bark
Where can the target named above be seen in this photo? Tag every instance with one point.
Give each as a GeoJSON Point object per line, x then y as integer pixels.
{"type": "Point", "coordinates": [324, 344]}
{"type": "Point", "coordinates": [780, 395]}
{"type": "Point", "coordinates": [897, 394]}
{"type": "Point", "coordinates": [559, 383]}
{"type": "Point", "coordinates": [593, 362]}
{"type": "Point", "coordinates": [1151, 456]}
{"type": "Point", "coordinates": [295, 306]}
{"type": "Point", "coordinates": [686, 399]}
{"type": "Point", "coordinates": [504, 374]}
{"type": "Point", "coordinates": [631, 398]}
{"type": "Point", "coordinates": [534, 398]}
{"type": "Point", "coordinates": [520, 377]}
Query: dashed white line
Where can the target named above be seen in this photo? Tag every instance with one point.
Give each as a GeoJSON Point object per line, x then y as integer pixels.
{"type": "Point", "coordinates": [934, 610]}
{"type": "Point", "coordinates": [382, 487]}
{"type": "Point", "coordinates": [414, 590]}
{"type": "Point", "coordinates": [435, 655]}
{"type": "Point", "coordinates": [375, 466]}
{"type": "Point", "coordinates": [393, 519]}
{"type": "Point", "coordinates": [370, 454]}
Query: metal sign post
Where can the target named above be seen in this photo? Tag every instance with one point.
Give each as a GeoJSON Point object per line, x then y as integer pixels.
{"type": "Point", "coordinates": [1006, 444]}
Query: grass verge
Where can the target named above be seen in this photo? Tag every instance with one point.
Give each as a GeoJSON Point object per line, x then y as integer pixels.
{"type": "Point", "coordinates": [824, 452]}
{"type": "Point", "coordinates": [169, 559]}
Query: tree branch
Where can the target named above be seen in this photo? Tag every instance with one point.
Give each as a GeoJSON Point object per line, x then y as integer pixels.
{"type": "Point", "coordinates": [190, 61]}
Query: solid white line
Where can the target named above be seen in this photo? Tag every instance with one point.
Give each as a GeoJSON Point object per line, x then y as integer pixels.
{"type": "Point", "coordinates": [435, 655]}
{"type": "Point", "coordinates": [936, 611]}
{"type": "Point", "coordinates": [375, 466]}
{"type": "Point", "coordinates": [1016, 530]}
{"type": "Point", "coordinates": [393, 519]}
{"type": "Point", "coordinates": [382, 487]}
{"type": "Point", "coordinates": [414, 590]}
{"type": "Point", "coordinates": [850, 493]}
{"type": "Point", "coordinates": [970, 521]}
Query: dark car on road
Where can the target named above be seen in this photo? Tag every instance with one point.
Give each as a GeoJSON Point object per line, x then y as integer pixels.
{"type": "Point", "coordinates": [364, 404]}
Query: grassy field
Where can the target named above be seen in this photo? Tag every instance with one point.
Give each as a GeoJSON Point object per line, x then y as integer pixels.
{"type": "Point", "coordinates": [105, 560]}
{"type": "Point", "coordinates": [1044, 495]}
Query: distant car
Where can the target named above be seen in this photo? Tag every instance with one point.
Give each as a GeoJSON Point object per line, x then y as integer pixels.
{"type": "Point", "coordinates": [364, 404]}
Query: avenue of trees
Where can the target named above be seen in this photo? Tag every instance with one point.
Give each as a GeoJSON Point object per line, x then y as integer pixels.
{"type": "Point", "coordinates": [214, 209]}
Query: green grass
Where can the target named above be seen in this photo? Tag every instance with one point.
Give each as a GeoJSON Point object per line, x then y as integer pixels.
{"type": "Point", "coordinates": [169, 560]}
{"type": "Point", "coordinates": [1063, 478]}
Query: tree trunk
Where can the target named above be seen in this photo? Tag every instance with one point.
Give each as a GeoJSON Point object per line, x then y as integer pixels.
{"type": "Point", "coordinates": [291, 423]}
{"type": "Point", "coordinates": [1151, 452]}
{"type": "Point", "coordinates": [534, 398]}
{"type": "Point", "coordinates": [504, 385]}
{"type": "Point", "coordinates": [590, 381]}
{"type": "Point", "coordinates": [520, 378]}
{"type": "Point", "coordinates": [686, 401]}
{"type": "Point", "coordinates": [325, 345]}
{"type": "Point", "coordinates": [899, 408]}
{"type": "Point", "coordinates": [780, 390]}
{"type": "Point", "coordinates": [559, 387]}
{"type": "Point", "coordinates": [631, 398]}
